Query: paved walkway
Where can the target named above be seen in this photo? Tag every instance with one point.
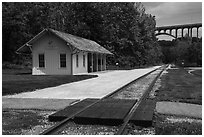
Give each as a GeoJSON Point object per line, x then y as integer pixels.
{"type": "Point", "coordinates": [182, 109]}
{"type": "Point", "coordinates": [194, 68]}
{"type": "Point", "coordinates": [97, 87]}
{"type": "Point", "coordinates": [36, 103]}
{"type": "Point", "coordinates": [56, 98]}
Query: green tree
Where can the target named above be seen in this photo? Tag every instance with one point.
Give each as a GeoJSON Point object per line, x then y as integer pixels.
{"type": "Point", "coordinates": [123, 28]}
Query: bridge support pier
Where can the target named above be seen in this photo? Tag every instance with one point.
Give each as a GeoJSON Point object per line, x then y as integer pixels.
{"type": "Point", "coordinates": [182, 32]}
{"type": "Point", "coordinates": [191, 32]}
{"type": "Point", "coordinates": [176, 32]}
{"type": "Point", "coordinates": [170, 31]}
{"type": "Point", "coordinates": [197, 32]}
{"type": "Point", "coordinates": [188, 32]}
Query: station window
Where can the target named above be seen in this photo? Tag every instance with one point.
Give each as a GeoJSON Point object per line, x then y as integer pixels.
{"type": "Point", "coordinates": [84, 60]}
{"type": "Point", "coordinates": [77, 60]}
{"type": "Point", "coordinates": [41, 58]}
{"type": "Point", "coordinates": [63, 60]}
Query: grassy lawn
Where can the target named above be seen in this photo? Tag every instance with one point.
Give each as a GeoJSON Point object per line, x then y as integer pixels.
{"type": "Point", "coordinates": [180, 86]}
{"type": "Point", "coordinates": [174, 125]}
{"type": "Point", "coordinates": [197, 73]}
{"type": "Point", "coordinates": [16, 122]}
{"type": "Point", "coordinates": [19, 80]}
{"type": "Point", "coordinates": [19, 120]}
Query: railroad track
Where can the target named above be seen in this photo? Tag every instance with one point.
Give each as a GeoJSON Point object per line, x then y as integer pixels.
{"type": "Point", "coordinates": [122, 128]}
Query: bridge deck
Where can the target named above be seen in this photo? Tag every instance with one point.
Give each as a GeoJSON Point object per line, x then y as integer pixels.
{"type": "Point", "coordinates": [179, 26]}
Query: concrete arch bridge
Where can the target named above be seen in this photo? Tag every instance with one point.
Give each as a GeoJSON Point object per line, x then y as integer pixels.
{"type": "Point", "coordinates": [168, 30]}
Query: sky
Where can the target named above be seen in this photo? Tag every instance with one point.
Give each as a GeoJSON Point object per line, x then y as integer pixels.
{"type": "Point", "coordinates": [175, 13]}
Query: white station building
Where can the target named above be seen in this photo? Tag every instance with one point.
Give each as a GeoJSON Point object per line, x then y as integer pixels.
{"type": "Point", "coordinates": [58, 53]}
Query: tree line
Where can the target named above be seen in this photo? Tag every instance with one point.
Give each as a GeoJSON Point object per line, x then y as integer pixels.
{"type": "Point", "coordinates": [185, 51]}
{"type": "Point", "coordinates": [125, 29]}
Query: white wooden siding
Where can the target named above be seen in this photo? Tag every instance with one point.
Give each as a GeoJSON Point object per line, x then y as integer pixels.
{"type": "Point", "coordinates": [80, 68]}
{"type": "Point", "coordinates": [51, 46]}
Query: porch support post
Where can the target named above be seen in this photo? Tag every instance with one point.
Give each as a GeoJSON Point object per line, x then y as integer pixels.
{"type": "Point", "coordinates": [101, 62]}
{"type": "Point", "coordinates": [92, 65]}
{"type": "Point", "coordinates": [96, 62]}
{"type": "Point", "coordinates": [104, 62]}
{"type": "Point", "coordinates": [182, 32]}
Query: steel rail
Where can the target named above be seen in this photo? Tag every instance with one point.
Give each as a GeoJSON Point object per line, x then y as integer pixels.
{"type": "Point", "coordinates": [61, 125]}
{"type": "Point", "coordinates": [121, 130]}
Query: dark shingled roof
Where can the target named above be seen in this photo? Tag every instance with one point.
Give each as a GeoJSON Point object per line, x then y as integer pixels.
{"type": "Point", "coordinates": [77, 42]}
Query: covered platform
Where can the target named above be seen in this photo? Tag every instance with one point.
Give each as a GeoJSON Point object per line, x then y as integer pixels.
{"type": "Point", "coordinates": [96, 62]}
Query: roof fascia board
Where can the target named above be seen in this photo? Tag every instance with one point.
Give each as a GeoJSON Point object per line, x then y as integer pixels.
{"type": "Point", "coordinates": [28, 43]}
{"type": "Point", "coordinates": [37, 36]}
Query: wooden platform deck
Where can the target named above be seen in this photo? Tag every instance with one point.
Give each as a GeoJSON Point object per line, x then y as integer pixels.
{"type": "Point", "coordinates": [143, 115]}
{"type": "Point", "coordinates": [106, 112]}
{"type": "Point", "coordinates": [70, 110]}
